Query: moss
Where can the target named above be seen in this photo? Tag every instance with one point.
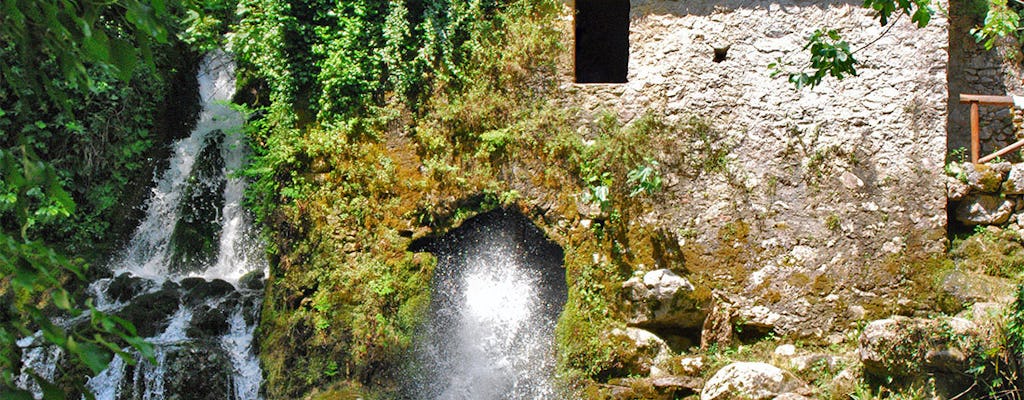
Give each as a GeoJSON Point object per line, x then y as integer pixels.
{"type": "Point", "coordinates": [994, 253]}
{"type": "Point", "coordinates": [822, 285]}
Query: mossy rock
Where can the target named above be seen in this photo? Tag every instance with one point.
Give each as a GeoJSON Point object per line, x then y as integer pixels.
{"type": "Point", "coordinates": [994, 252]}
{"type": "Point", "coordinates": [199, 372]}
{"type": "Point", "coordinates": [196, 236]}
{"type": "Point", "coordinates": [125, 286]}
{"type": "Point", "coordinates": [150, 313]}
{"type": "Point", "coordinates": [208, 321]}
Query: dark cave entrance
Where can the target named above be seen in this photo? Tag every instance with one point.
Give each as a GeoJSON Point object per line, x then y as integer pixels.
{"type": "Point", "coordinates": [602, 41]}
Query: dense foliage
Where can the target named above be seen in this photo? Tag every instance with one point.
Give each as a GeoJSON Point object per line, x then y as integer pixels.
{"type": "Point", "coordinates": [354, 96]}
{"type": "Point", "coordinates": [89, 92]}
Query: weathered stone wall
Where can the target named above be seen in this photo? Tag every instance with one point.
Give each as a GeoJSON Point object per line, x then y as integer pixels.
{"type": "Point", "coordinates": [987, 194]}
{"type": "Point", "coordinates": [830, 181]}
{"type": "Point", "coordinates": [974, 70]}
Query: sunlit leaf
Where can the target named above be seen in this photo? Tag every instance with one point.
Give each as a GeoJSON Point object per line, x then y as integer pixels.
{"type": "Point", "coordinates": [61, 299]}
{"type": "Point", "coordinates": [93, 356]}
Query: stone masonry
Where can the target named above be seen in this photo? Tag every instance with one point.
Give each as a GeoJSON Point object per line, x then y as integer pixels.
{"type": "Point", "coordinates": [831, 181]}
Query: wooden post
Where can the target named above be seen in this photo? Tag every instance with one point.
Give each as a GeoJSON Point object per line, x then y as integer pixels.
{"type": "Point", "coordinates": [975, 133]}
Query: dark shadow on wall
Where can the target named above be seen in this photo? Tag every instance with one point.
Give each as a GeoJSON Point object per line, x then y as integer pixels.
{"type": "Point", "coordinates": [973, 70]}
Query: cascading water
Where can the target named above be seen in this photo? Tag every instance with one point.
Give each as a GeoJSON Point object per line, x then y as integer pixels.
{"type": "Point", "coordinates": [191, 277]}
{"type": "Point", "coordinates": [499, 286]}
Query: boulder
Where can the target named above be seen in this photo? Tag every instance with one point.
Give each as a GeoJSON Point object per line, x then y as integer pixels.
{"type": "Point", "coordinates": [150, 312]}
{"type": "Point", "coordinates": [663, 299]}
{"type": "Point", "coordinates": [972, 287]}
{"type": "Point", "coordinates": [907, 347]}
{"type": "Point", "coordinates": [791, 396]}
{"type": "Point", "coordinates": [1014, 180]}
{"type": "Point", "coordinates": [984, 209]}
{"type": "Point", "coordinates": [199, 371]}
{"type": "Point", "coordinates": [647, 351]}
{"type": "Point", "coordinates": [191, 282]}
{"type": "Point", "coordinates": [955, 189]}
{"type": "Point", "coordinates": [207, 290]}
{"type": "Point", "coordinates": [676, 387]}
{"type": "Point", "coordinates": [207, 322]}
{"type": "Point", "coordinates": [717, 329]}
{"type": "Point", "coordinates": [752, 381]}
{"type": "Point", "coordinates": [691, 366]}
{"type": "Point", "coordinates": [983, 178]}
{"type": "Point", "coordinates": [252, 280]}
{"type": "Point", "coordinates": [817, 361]}
{"type": "Point", "coordinates": [125, 286]}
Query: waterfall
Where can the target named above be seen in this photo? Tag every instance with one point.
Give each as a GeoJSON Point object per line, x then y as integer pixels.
{"type": "Point", "coordinates": [497, 292]}
{"type": "Point", "coordinates": [190, 278]}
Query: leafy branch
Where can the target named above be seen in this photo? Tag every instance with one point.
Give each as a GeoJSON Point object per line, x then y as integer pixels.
{"type": "Point", "coordinates": [1003, 19]}
{"type": "Point", "coordinates": [830, 54]}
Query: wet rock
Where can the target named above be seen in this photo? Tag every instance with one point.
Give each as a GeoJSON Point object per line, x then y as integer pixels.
{"type": "Point", "coordinates": [198, 372]}
{"type": "Point", "coordinates": [196, 233]}
{"type": "Point", "coordinates": [125, 286]}
{"type": "Point", "coordinates": [750, 380]}
{"type": "Point", "coordinates": [661, 298]}
{"type": "Point", "coordinates": [252, 280]}
{"type": "Point", "coordinates": [150, 312]}
{"type": "Point", "coordinates": [191, 282]}
{"type": "Point", "coordinates": [170, 285]}
{"type": "Point", "coordinates": [984, 209]}
{"type": "Point", "coordinates": [251, 309]}
{"type": "Point", "coordinates": [207, 322]}
{"type": "Point", "coordinates": [207, 290]}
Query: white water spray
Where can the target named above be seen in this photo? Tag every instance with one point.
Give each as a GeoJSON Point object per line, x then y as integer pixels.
{"type": "Point", "coordinates": [148, 253]}
{"type": "Point", "coordinates": [497, 295]}
{"type": "Point", "coordinates": [221, 341]}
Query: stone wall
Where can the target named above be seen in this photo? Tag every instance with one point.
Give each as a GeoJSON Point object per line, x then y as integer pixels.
{"type": "Point", "coordinates": [974, 70]}
{"type": "Point", "coordinates": [830, 181]}
{"type": "Point", "coordinates": [987, 194]}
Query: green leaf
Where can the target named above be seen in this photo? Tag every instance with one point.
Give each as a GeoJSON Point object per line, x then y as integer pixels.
{"type": "Point", "coordinates": [124, 57]}
{"type": "Point", "coordinates": [16, 394]}
{"type": "Point", "coordinates": [56, 335]}
{"type": "Point", "coordinates": [50, 391]}
{"type": "Point", "coordinates": [96, 46]}
{"type": "Point", "coordinates": [61, 299]}
{"type": "Point", "coordinates": [93, 356]}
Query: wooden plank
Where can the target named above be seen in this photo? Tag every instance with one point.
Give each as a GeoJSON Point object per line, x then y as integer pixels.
{"type": "Point", "coordinates": [986, 100]}
{"type": "Point", "coordinates": [975, 133]}
{"type": "Point", "coordinates": [1002, 152]}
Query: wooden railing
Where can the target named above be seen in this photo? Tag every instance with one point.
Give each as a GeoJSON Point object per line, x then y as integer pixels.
{"type": "Point", "coordinates": [976, 100]}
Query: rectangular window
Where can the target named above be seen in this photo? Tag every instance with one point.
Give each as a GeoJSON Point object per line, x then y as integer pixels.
{"type": "Point", "coordinates": [602, 41]}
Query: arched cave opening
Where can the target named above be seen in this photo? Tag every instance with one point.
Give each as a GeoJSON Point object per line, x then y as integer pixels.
{"type": "Point", "coordinates": [497, 291]}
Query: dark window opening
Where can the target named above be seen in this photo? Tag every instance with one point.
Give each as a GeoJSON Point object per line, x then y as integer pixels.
{"type": "Point", "coordinates": [602, 41]}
